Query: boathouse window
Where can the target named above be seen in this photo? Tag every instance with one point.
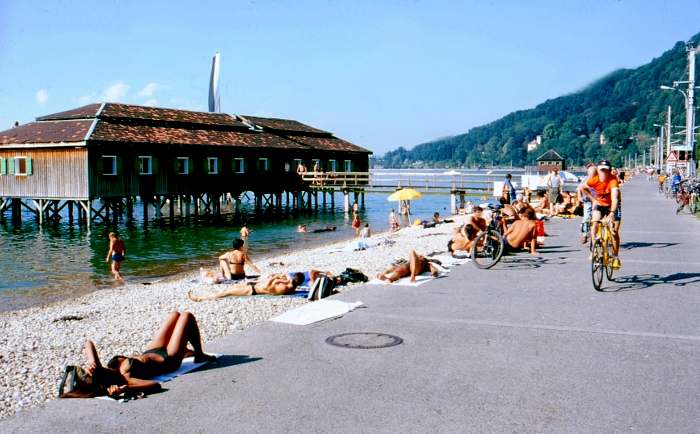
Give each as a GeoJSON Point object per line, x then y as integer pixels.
{"type": "Point", "coordinates": [145, 165]}
{"type": "Point", "coordinates": [348, 165]}
{"type": "Point", "coordinates": [332, 165]}
{"type": "Point", "coordinates": [183, 165]}
{"type": "Point", "coordinates": [287, 167]}
{"type": "Point", "coordinates": [109, 165]}
{"type": "Point", "coordinates": [212, 165]}
{"type": "Point", "coordinates": [3, 166]}
{"type": "Point", "coordinates": [20, 166]}
{"type": "Point", "coordinates": [239, 165]}
{"type": "Point", "coordinates": [263, 164]}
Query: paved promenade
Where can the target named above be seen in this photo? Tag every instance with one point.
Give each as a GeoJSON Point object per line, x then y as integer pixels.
{"type": "Point", "coordinates": [526, 347]}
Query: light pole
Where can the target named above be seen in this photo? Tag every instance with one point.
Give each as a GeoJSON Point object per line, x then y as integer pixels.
{"type": "Point", "coordinates": [689, 107]}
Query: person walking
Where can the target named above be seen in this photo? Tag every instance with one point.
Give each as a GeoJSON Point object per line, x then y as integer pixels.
{"type": "Point", "coordinates": [508, 189]}
{"type": "Point", "coordinates": [116, 253]}
{"type": "Point", "coordinates": [554, 184]}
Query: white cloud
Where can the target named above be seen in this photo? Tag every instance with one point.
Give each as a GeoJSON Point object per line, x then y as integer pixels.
{"type": "Point", "coordinates": [151, 102]}
{"type": "Point", "coordinates": [42, 96]}
{"type": "Point", "coordinates": [115, 92]}
{"type": "Point", "coordinates": [149, 90]}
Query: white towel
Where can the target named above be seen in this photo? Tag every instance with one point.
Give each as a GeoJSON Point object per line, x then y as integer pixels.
{"type": "Point", "coordinates": [317, 311]}
{"type": "Point", "coordinates": [406, 281]}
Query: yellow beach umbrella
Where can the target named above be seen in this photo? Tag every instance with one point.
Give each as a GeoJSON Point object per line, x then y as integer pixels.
{"type": "Point", "coordinates": [404, 194]}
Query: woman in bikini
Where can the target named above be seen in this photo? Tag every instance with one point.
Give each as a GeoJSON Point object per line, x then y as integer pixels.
{"type": "Point", "coordinates": [133, 374]}
{"type": "Point", "coordinates": [232, 264]}
{"type": "Point", "coordinates": [415, 265]}
{"type": "Point", "coordinates": [276, 284]}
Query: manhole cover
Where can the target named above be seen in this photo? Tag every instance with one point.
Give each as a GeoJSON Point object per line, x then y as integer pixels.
{"type": "Point", "coordinates": [364, 340]}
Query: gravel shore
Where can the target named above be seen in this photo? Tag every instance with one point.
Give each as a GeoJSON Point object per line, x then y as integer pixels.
{"type": "Point", "coordinates": [36, 343]}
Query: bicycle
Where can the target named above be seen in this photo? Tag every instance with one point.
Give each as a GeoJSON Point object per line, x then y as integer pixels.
{"type": "Point", "coordinates": [602, 254]}
{"type": "Point", "coordinates": [487, 248]}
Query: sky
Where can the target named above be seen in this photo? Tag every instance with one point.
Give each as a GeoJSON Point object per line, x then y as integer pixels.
{"type": "Point", "coordinates": [380, 74]}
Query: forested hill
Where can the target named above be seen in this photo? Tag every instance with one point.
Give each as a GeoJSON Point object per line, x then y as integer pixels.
{"type": "Point", "coordinates": [623, 106]}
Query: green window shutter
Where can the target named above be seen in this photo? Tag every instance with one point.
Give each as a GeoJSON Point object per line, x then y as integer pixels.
{"type": "Point", "coordinates": [119, 165]}
{"type": "Point", "coordinates": [3, 166]}
{"type": "Point", "coordinates": [137, 166]}
{"type": "Point", "coordinates": [29, 165]}
{"type": "Point", "coordinates": [11, 166]}
{"type": "Point", "coordinates": [154, 165]}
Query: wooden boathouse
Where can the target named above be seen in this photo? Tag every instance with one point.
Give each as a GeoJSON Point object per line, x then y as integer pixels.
{"type": "Point", "coordinates": [102, 159]}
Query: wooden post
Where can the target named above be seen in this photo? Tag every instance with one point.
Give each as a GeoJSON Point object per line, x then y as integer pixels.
{"type": "Point", "coordinates": [129, 209]}
{"type": "Point", "coordinates": [144, 200]}
{"type": "Point", "coordinates": [346, 201]}
{"type": "Point", "coordinates": [196, 206]}
{"type": "Point", "coordinates": [172, 210]}
{"type": "Point", "coordinates": [70, 212]}
{"type": "Point", "coordinates": [362, 200]}
{"type": "Point", "coordinates": [159, 210]}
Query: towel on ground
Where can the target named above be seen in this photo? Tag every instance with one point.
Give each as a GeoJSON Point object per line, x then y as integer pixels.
{"type": "Point", "coordinates": [317, 311]}
{"type": "Point", "coordinates": [406, 281]}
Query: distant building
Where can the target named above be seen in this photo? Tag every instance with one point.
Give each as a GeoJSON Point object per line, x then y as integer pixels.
{"type": "Point", "coordinates": [602, 139]}
{"type": "Point", "coordinates": [550, 160]}
{"type": "Point", "coordinates": [532, 145]}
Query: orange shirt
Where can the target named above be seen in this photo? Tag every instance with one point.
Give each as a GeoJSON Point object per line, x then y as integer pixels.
{"type": "Point", "coordinates": [603, 189]}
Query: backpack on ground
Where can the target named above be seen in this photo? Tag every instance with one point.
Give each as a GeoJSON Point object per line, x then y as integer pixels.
{"type": "Point", "coordinates": [321, 288]}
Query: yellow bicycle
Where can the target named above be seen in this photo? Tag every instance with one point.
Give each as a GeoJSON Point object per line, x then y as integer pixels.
{"type": "Point", "coordinates": [602, 254]}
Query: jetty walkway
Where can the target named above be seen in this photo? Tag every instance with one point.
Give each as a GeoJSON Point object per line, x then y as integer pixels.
{"type": "Point", "coordinates": [526, 347]}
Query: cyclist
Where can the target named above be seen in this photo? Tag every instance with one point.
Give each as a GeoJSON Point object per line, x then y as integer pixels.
{"type": "Point", "coordinates": [662, 180]}
{"type": "Point", "coordinates": [587, 204]}
{"type": "Point", "coordinates": [676, 181]}
{"type": "Point", "coordinates": [604, 191]}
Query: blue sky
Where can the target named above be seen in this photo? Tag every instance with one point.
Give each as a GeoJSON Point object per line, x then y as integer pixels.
{"type": "Point", "coordinates": [381, 74]}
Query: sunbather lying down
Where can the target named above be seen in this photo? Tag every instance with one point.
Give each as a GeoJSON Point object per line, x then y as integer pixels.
{"type": "Point", "coordinates": [415, 265]}
{"type": "Point", "coordinates": [275, 284]}
{"type": "Point", "coordinates": [132, 374]}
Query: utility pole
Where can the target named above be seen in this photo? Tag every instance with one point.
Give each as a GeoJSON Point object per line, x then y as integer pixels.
{"type": "Point", "coordinates": [690, 110]}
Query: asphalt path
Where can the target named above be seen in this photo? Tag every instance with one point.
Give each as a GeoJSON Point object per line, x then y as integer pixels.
{"type": "Point", "coordinates": [528, 346]}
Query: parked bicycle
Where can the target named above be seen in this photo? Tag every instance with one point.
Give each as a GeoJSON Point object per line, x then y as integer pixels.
{"type": "Point", "coordinates": [487, 248]}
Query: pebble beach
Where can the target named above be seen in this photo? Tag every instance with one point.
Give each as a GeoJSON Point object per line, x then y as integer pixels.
{"type": "Point", "coordinates": [36, 343]}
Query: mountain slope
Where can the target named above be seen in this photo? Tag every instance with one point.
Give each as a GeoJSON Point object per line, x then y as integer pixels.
{"type": "Point", "coordinates": [623, 106]}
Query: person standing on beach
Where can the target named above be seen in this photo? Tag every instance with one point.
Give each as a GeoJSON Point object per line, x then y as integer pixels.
{"type": "Point", "coordinates": [356, 224]}
{"type": "Point", "coordinates": [554, 183]}
{"type": "Point", "coordinates": [393, 221]}
{"type": "Point", "coordinates": [116, 253]}
{"type": "Point", "coordinates": [245, 233]}
{"type": "Point", "coordinates": [508, 189]}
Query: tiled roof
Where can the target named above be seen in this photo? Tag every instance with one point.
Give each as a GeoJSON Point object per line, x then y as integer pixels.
{"type": "Point", "coordinates": [107, 131]}
{"type": "Point", "coordinates": [140, 124]}
{"type": "Point", "coordinates": [86, 111]}
{"type": "Point", "coordinates": [286, 125]}
{"type": "Point", "coordinates": [550, 155]}
{"type": "Point", "coordinates": [328, 144]}
{"type": "Point", "coordinates": [127, 111]}
{"type": "Point", "coordinates": [46, 132]}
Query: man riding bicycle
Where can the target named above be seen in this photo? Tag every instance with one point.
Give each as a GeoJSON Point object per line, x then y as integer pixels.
{"type": "Point", "coordinates": [676, 181]}
{"type": "Point", "coordinates": [604, 191]}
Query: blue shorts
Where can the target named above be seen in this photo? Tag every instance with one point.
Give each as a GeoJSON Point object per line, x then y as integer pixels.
{"type": "Point", "coordinates": [117, 257]}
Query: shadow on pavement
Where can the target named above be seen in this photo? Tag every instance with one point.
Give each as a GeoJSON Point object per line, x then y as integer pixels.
{"type": "Point", "coordinates": [636, 245]}
{"type": "Point", "coordinates": [226, 361]}
{"type": "Point", "coordinates": [529, 261]}
{"type": "Point", "coordinates": [643, 281]}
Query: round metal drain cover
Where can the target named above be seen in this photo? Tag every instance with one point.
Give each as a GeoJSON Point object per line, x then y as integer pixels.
{"type": "Point", "coordinates": [364, 340]}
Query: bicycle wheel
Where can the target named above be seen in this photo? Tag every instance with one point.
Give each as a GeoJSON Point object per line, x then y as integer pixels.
{"type": "Point", "coordinates": [487, 249]}
{"type": "Point", "coordinates": [597, 264]}
{"type": "Point", "coordinates": [607, 259]}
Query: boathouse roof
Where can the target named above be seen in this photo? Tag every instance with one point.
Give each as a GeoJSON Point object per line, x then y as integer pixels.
{"type": "Point", "coordinates": [550, 155]}
{"type": "Point", "coordinates": [125, 123]}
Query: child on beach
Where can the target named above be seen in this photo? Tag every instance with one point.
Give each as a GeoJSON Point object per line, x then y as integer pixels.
{"type": "Point", "coordinates": [245, 233]}
{"type": "Point", "coordinates": [117, 253]}
{"type": "Point", "coordinates": [393, 221]}
{"type": "Point", "coordinates": [356, 224]}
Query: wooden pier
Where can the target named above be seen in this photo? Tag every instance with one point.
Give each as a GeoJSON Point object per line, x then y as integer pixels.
{"type": "Point", "coordinates": [96, 163]}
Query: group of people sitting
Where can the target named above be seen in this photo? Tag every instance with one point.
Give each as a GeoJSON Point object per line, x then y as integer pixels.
{"type": "Point", "coordinates": [518, 224]}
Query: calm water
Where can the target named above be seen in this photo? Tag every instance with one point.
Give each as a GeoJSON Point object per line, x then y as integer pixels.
{"type": "Point", "coordinates": [39, 265]}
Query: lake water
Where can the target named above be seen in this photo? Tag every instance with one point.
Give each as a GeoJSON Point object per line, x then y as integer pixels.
{"type": "Point", "coordinates": [56, 261]}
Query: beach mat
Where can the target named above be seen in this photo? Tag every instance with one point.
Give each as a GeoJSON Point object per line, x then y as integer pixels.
{"type": "Point", "coordinates": [317, 311]}
{"type": "Point", "coordinates": [187, 365]}
{"type": "Point", "coordinates": [448, 261]}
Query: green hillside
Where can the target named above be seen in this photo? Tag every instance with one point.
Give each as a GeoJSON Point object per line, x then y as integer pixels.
{"type": "Point", "coordinates": [623, 106]}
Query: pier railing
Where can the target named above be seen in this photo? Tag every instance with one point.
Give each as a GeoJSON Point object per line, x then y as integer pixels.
{"type": "Point", "coordinates": [337, 179]}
